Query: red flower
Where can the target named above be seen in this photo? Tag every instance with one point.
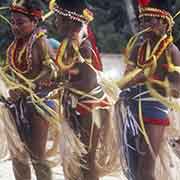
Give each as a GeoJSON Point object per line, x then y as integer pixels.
{"type": "Point", "coordinates": [143, 3]}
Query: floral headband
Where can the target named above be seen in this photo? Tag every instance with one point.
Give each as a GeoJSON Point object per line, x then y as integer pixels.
{"type": "Point", "coordinates": [146, 11]}
{"type": "Point", "coordinates": [23, 10]}
{"type": "Point", "coordinates": [17, 6]}
{"type": "Point", "coordinates": [86, 17]}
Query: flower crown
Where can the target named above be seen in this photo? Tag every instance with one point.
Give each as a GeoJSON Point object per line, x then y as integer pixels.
{"type": "Point", "coordinates": [17, 6]}
{"type": "Point", "coordinates": [145, 11]}
{"type": "Point", "coordinates": [86, 17]}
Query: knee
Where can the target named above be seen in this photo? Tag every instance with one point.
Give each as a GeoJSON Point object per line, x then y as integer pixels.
{"type": "Point", "coordinates": [147, 174]}
{"type": "Point", "coordinates": [40, 163]}
{"type": "Point", "coordinates": [19, 163]}
{"type": "Point", "coordinates": [38, 153]}
{"type": "Point", "coordinates": [42, 170]}
{"type": "Point", "coordinates": [21, 169]}
{"type": "Point", "coordinates": [146, 169]}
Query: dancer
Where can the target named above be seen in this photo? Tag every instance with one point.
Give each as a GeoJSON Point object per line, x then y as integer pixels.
{"type": "Point", "coordinates": [152, 75]}
{"type": "Point", "coordinates": [29, 67]}
{"type": "Point", "coordinates": [82, 95]}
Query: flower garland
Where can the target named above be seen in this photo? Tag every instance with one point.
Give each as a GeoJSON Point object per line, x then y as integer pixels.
{"type": "Point", "coordinates": [15, 58]}
{"type": "Point", "coordinates": [153, 57]}
{"type": "Point", "coordinates": [22, 61]}
{"type": "Point", "coordinates": [150, 64]}
{"type": "Point", "coordinates": [61, 53]}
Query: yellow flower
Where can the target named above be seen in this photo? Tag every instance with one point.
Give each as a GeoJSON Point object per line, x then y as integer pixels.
{"type": "Point", "coordinates": [52, 4]}
{"type": "Point", "coordinates": [88, 15]}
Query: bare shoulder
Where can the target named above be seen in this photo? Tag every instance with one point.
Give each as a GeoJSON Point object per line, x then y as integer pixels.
{"type": "Point", "coordinates": [173, 48]}
{"type": "Point", "coordinates": [133, 54]}
{"type": "Point", "coordinates": [41, 43]}
{"type": "Point", "coordinates": [41, 48]}
{"type": "Point", "coordinates": [86, 49]}
{"type": "Point", "coordinates": [175, 53]}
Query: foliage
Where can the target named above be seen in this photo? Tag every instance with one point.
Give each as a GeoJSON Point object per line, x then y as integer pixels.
{"type": "Point", "coordinates": [177, 26]}
{"type": "Point", "coordinates": [111, 25]}
{"type": "Point", "coordinates": [107, 26]}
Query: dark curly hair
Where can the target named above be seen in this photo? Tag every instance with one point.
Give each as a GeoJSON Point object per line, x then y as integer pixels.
{"type": "Point", "coordinates": [31, 4]}
{"type": "Point", "coordinates": [72, 5]}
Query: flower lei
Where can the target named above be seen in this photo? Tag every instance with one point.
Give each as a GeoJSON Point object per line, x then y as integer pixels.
{"type": "Point", "coordinates": [151, 58]}
{"type": "Point", "coordinates": [22, 61]}
{"type": "Point", "coordinates": [61, 53]}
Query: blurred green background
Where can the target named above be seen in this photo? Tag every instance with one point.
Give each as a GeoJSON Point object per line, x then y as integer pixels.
{"type": "Point", "coordinates": [113, 25]}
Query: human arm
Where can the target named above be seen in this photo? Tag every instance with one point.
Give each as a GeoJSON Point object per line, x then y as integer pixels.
{"type": "Point", "coordinates": [87, 77]}
{"type": "Point", "coordinates": [174, 76]}
{"type": "Point", "coordinates": [133, 74]}
{"type": "Point", "coordinates": [44, 67]}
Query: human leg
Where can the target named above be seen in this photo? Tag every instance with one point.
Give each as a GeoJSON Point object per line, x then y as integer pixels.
{"type": "Point", "coordinates": [90, 137]}
{"type": "Point", "coordinates": [38, 148]}
{"type": "Point", "coordinates": [146, 162]}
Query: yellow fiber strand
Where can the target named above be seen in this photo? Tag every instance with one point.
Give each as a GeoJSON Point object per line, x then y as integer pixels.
{"type": "Point", "coordinates": [60, 55]}
{"type": "Point", "coordinates": [155, 55]}
{"type": "Point", "coordinates": [81, 93]}
{"type": "Point", "coordinates": [164, 84]}
{"type": "Point", "coordinates": [39, 35]}
{"type": "Point", "coordinates": [152, 67]}
{"type": "Point", "coordinates": [144, 130]}
{"type": "Point", "coordinates": [176, 15]}
{"type": "Point", "coordinates": [47, 15]}
{"type": "Point", "coordinates": [162, 99]}
{"type": "Point", "coordinates": [173, 68]}
{"type": "Point", "coordinates": [52, 4]}
{"type": "Point", "coordinates": [131, 44]}
{"type": "Point", "coordinates": [27, 81]}
{"type": "Point", "coordinates": [134, 38]}
{"type": "Point", "coordinates": [35, 98]}
{"type": "Point", "coordinates": [128, 77]}
{"type": "Point", "coordinates": [5, 19]}
{"type": "Point", "coordinates": [4, 8]}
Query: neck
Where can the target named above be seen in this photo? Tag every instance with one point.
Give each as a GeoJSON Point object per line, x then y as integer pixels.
{"type": "Point", "coordinates": [25, 37]}
{"type": "Point", "coordinates": [72, 34]}
{"type": "Point", "coordinates": [23, 40]}
{"type": "Point", "coordinates": [153, 35]}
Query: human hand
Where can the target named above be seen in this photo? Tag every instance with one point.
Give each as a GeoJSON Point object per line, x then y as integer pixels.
{"type": "Point", "coordinates": [15, 94]}
{"type": "Point", "coordinates": [175, 93]}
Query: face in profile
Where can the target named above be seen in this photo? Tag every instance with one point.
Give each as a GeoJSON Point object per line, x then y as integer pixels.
{"type": "Point", "coordinates": [61, 24]}
{"type": "Point", "coordinates": [157, 25]}
{"type": "Point", "coordinates": [66, 26]}
{"type": "Point", "coordinates": [22, 25]}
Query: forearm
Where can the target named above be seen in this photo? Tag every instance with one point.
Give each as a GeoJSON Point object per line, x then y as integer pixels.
{"type": "Point", "coordinates": [174, 79]}
{"type": "Point", "coordinates": [45, 79]}
{"type": "Point", "coordinates": [80, 85]}
{"type": "Point", "coordinates": [44, 75]}
{"type": "Point", "coordinates": [139, 77]}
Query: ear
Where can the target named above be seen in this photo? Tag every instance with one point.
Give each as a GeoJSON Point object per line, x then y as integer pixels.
{"type": "Point", "coordinates": [35, 21]}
